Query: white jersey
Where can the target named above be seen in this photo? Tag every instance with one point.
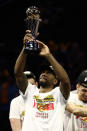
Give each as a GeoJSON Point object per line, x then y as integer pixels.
{"type": "Point", "coordinates": [73, 122]}
{"type": "Point", "coordinates": [44, 111]}
{"type": "Point", "coordinates": [74, 91]}
{"type": "Point", "coordinates": [17, 108]}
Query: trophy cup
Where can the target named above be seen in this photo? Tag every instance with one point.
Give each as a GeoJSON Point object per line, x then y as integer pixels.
{"type": "Point", "coordinates": [32, 22]}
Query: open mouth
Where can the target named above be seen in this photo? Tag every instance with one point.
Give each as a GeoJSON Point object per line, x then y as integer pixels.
{"type": "Point", "coordinates": [85, 98]}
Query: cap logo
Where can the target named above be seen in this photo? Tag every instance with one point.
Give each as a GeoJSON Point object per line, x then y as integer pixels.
{"type": "Point", "coordinates": [85, 79]}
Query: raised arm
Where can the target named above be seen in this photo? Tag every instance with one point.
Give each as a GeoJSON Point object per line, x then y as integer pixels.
{"type": "Point", "coordinates": [21, 79]}
{"type": "Point", "coordinates": [59, 70]}
{"type": "Point", "coordinates": [76, 109]}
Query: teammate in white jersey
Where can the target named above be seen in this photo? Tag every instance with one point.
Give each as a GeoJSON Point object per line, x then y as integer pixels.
{"type": "Point", "coordinates": [76, 114]}
{"type": "Point", "coordinates": [44, 106]}
{"type": "Point", "coordinates": [17, 106]}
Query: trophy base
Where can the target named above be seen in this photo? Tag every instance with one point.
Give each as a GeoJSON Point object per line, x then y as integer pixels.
{"type": "Point", "coordinates": [32, 47]}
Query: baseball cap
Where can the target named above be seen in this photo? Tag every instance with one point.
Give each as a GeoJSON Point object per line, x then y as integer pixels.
{"type": "Point", "coordinates": [82, 79]}
{"type": "Point", "coordinates": [29, 74]}
{"type": "Point", "coordinates": [47, 67]}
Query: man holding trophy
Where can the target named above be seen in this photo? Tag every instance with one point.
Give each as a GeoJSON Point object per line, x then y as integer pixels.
{"type": "Point", "coordinates": [44, 106]}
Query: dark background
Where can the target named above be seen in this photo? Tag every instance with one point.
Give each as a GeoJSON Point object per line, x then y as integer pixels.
{"type": "Point", "coordinates": [66, 20]}
{"type": "Point", "coordinates": [63, 22]}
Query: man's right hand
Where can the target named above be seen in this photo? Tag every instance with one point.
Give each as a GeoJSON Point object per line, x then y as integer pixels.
{"type": "Point", "coordinates": [28, 36]}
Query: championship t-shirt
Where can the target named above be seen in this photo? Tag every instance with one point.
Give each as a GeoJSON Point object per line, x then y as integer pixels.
{"type": "Point", "coordinates": [44, 111]}
{"type": "Point", "coordinates": [73, 122]}
{"type": "Point", "coordinates": [17, 108]}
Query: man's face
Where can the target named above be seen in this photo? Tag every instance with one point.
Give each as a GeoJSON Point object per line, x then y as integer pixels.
{"type": "Point", "coordinates": [47, 79]}
{"type": "Point", "coordinates": [82, 93]}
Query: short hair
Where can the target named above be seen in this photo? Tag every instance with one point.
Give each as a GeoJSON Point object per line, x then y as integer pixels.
{"type": "Point", "coordinates": [29, 74]}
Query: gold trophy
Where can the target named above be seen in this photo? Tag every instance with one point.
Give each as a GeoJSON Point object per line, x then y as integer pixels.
{"type": "Point", "coordinates": [32, 23]}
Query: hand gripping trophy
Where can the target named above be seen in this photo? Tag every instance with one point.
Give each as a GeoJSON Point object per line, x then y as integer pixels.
{"type": "Point", "coordinates": [32, 22]}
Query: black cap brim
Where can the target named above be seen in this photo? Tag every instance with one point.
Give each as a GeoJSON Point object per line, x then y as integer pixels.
{"type": "Point", "coordinates": [46, 67]}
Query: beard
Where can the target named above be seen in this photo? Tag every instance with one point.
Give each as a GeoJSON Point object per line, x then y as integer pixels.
{"type": "Point", "coordinates": [84, 101]}
{"type": "Point", "coordinates": [44, 84]}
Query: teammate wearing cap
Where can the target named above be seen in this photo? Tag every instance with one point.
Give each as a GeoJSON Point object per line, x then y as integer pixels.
{"type": "Point", "coordinates": [17, 106]}
{"type": "Point", "coordinates": [76, 109]}
{"type": "Point", "coordinates": [44, 106]}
